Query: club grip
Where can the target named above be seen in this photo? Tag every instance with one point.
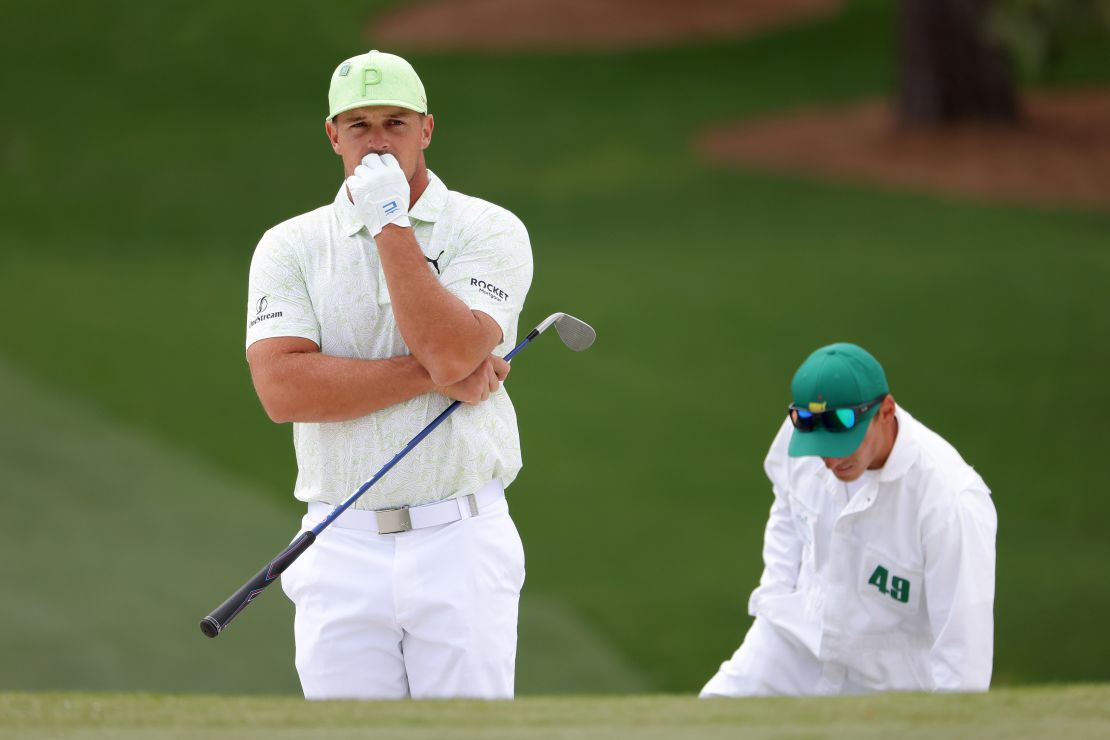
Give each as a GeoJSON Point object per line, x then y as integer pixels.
{"type": "Point", "coordinates": [221, 616]}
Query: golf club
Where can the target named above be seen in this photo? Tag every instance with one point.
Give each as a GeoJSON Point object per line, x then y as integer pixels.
{"type": "Point", "coordinates": [575, 334]}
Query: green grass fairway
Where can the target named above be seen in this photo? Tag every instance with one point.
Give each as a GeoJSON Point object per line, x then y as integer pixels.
{"type": "Point", "coordinates": [145, 147]}
{"type": "Point", "coordinates": [172, 537]}
{"type": "Point", "coordinates": [1072, 712]}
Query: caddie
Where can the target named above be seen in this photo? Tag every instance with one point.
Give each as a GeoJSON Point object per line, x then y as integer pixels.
{"type": "Point", "coordinates": [365, 317]}
{"type": "Point", "coordinates": [878, 554]}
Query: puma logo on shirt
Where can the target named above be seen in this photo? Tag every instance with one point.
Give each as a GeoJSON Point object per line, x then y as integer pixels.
{"type": "Point", "coordinates": [435, 262]}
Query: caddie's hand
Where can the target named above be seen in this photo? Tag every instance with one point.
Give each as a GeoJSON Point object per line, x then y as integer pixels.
{"type": "Point", "coordinates": [478, 386]}
{"type": "Point", "coordinates": [380, 192]}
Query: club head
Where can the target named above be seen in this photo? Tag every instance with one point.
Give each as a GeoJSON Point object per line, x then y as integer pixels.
{"type": "Point", "coordinates": [575, 333]}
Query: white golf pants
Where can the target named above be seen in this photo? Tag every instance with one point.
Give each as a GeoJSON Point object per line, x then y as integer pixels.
{"type": "Point", "coordinates": [430, 613]}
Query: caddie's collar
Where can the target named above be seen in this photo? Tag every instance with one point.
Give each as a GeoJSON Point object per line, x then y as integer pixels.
{"type": "Point", "coordinates": [902, 454]}
{"type": "Point", "coordinates": [428, 208]}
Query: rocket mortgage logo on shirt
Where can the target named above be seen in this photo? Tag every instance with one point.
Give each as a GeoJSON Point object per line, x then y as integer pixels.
{"type": "Point", "coordinates": [490, 290]}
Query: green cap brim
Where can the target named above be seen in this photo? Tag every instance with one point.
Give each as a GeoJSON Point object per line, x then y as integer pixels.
{"type": "Point", "coordinates": [823, 443]}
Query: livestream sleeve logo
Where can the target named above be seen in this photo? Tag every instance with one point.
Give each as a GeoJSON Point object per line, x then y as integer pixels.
{"type": "Point", "coordinates": [260, 312]}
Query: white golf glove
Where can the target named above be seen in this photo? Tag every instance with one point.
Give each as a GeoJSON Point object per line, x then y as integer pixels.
{"type": "Point", "coordinates": [380, 192]}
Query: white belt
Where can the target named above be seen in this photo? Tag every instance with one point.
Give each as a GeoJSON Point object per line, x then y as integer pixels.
{"type": "Point", "coordinates": [406, 518]}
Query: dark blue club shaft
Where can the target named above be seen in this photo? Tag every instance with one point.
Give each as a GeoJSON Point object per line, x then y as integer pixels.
{"type": "Point", "coordinates": [217, 621]}
{"type": "Point", "coordinates": [408, 448]}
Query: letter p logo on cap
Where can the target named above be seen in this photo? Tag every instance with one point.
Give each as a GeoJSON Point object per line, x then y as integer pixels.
{"type": "Point", "coordinates": [370, 76]}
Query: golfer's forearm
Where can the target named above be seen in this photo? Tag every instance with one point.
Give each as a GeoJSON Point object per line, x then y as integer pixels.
{"type": "Point", "coordinates": [314, 387]}
{"type": "Point", "coordinates": [438, 328]}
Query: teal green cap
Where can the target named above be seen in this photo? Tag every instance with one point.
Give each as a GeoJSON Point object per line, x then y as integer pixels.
{"type": "Point", "coordinates": [833, 377]}
{"type": "Point", "coordinates": [375, 78]}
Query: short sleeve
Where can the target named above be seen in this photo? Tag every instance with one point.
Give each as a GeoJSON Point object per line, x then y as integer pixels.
{"type": "Point", "coordinates": [278, 302]}
{"type": "Point", "coordinates": [493, 270]}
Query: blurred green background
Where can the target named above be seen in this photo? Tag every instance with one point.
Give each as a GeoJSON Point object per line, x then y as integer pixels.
{"type": "Point", "coordinates": [145, 147]}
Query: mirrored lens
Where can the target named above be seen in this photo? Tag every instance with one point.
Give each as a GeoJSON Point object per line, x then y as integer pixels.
{"type": "Point", "coordinates": [846, 417]}
{"type": "Point", "coordinates": [803, 420]}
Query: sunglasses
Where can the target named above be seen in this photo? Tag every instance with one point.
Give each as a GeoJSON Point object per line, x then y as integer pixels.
{"type": "Point", "coordinates": [834, 420]}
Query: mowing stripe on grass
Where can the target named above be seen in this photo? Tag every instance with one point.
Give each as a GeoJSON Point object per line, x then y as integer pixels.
{"type": "Point", "coordinates": [120, 545]}
{"type": "Point", "coordinates": [117, 544]}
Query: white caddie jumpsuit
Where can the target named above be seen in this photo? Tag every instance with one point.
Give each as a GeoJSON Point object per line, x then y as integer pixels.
{"type": "Point", "coordinates": [892, 589]}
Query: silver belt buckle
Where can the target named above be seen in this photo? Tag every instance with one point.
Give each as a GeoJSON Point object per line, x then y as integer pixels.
{"type": "Point", "coordinates": [392, 521]}
{"type": "Point", "coordinates": [472, 502]}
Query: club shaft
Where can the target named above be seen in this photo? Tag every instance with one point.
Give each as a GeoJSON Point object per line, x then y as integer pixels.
{"type": "Point", "coordinates": [408, 448]}
{"type": "Point", "coordinates": [217, 621]}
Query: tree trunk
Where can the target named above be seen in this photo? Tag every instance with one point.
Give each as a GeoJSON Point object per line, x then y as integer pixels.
{"type": "Point", "coordinates": [949, 72]}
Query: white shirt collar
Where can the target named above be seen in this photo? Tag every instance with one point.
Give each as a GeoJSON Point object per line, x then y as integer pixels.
{"type": "Point", "coordinates": [902, 454]}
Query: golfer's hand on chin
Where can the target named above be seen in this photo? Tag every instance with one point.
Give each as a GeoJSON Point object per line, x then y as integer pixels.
{"type": "Point", "coordinates": [478, 386]}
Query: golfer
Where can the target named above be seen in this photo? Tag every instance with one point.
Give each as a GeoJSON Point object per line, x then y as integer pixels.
{"type": "Point", "coordinates": [365, 318]}
{"type": "Point", "coordinates": [878, 554]}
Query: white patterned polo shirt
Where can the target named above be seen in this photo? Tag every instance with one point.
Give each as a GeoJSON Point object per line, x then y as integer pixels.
{"type": "Point", "coordinates": [318, 276]}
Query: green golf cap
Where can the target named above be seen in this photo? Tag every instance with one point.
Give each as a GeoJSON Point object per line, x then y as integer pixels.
{"type": "Point", "coordinates": [375, 78]}
{"type": "Point", "coordinates": [836, 376]}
